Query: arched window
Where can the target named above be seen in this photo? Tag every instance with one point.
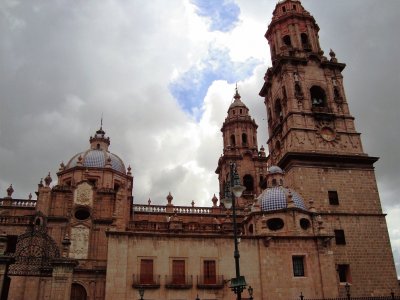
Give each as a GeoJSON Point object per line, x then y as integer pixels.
{"type": "Point", "coordinates": [233, 142]}
{"type": "Point", "coordinates": [248, 182]}
{"type": "Point", "coordinates": [274, 182]}
{"type": "Point", "coordinates": [78, 292]}
{"type": "Point", "coordinates": [287, 41]}
{"type": "Point", "coordinates": [318, 96]}
{"type": "Point", "coordinates": [244, 139]}
{"type": "Point", "coordinates": [336, 93]}
{"type": "Point", "coordinates": [305, 42]}
{"type": "Point", "coordinates": [278, 109]}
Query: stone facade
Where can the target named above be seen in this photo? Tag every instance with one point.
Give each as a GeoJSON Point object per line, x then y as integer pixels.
{"type": "Point", "coordinates": [309, 219]}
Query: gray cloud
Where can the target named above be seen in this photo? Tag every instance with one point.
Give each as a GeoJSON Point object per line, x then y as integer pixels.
{"type": "Point", "coordinates": [62, 66]}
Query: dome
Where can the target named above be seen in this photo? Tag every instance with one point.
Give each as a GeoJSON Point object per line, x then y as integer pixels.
{"type": "Point", "coordinates": [97, 158]}
{"type": "Point", "coordinates": [98, 155]}
{"type": "Point", "coordinates": [237, 102]}
{"type": "Point", "coordinates": [275, 198]}
{"type": "Point", "coordinates": [275, 170]}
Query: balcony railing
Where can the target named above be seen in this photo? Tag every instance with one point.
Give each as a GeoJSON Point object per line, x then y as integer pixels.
{"type": "Point", "coordinates": [146, 281]}
{"type": "Point", "coordinates": [210, 282]}
{"type": "Point", "coordinates": [178, 282]}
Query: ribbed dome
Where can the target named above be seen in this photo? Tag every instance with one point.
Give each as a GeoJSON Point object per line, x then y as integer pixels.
{"type": "Point", "coordinates": [276, 198]}
{"type": "Point", "coordinates": [97, 158]}
{"type": "Point", "coordinates": [98, 155]}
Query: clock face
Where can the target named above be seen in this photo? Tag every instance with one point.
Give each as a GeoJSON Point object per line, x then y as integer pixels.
{"type": "Point", "coordinates": [328, 134]}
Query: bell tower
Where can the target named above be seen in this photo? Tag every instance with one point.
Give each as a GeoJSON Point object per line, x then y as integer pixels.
{"type": "Point", "coordinates": [239, 133]}
{"type": "Point", "coordinates": [312, 137]}
{"type": "Point", "coordinates": [303, 90]}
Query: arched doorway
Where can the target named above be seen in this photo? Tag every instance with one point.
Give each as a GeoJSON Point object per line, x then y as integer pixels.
{"type": "Point", "coordinates": [78, 292]}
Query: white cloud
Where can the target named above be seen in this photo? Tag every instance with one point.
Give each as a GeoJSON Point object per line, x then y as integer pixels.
{"type": "Point", "coordinates": [62, 66]}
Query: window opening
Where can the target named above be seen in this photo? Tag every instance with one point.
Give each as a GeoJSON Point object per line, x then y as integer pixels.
{"type": "Point", "coordinates": [241, 110]}
{"type": "Point", "coordinates": [294, 7]}
{"type": "Point", "coordinates": [344, 273]}
{"type": "Point", "coordinates": [251, 229]}
{"type": "Point", "coordinates": [244, 139]}
{"type": "Point", "coordinates": [298, 266]}
{"type": "Point", "coordinates": [274, 183]}
{"type": "Point", "coordinates": [248, 182]}
{"type": "Point", "coordinates": [275, 224]}
{"type": "Point", "coordinates": [11, 243]}
{"type": "Point", "coordinates": [284, 9]}
{"type": "Point", "coordinates": [339, 237]}
{"type": "Point", "coordinates": [287, 41]}
{"type": "Point", "coordinates": [78, 292]}
{"type": "Point", "coordinates": [210, 274]}
{"type": "Point", "coordinates": [318, 96]}
{"type": "Point", "coordinates": [178, 272]}
{"type": "Point", "coordinates": [305, 42]}
{"type": "Point", "coordinates": [233, 142]}
{"type": "Point", "coordinates": [278, 109]}
{"type": "Point", "coordinates": [305, 224]}
{"type": "Point", "coordinates": [82, 214]}
{"type": "Point", "coordinates": [336, 93]}
{"type": "Point", "coordinates": [146, 271]}
{"type": "Point", "coordinates": [278, 146]}
{"type": "Point", "coordinates": [333, 198]}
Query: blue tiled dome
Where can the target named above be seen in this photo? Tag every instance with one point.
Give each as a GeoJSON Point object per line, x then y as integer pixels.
{"type": "Point", "coordinates": [275, 170]}
{"type": "Point", "coordinates": [275, 198]}
{"type": "Point", "coordinates": [97, 158]}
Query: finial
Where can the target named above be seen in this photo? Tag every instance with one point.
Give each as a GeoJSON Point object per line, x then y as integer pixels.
{"type": "Point", "coordinates": [10, 190]}
{"type": "Point", "coordinates": [30, 196]}
{"type": "Point", "coordinates": [101, 122]}
{"type": "Point", "coordinates": [62, 166]}
{"type": "Point", "coordinates": [40, 182]}
{"type": "Point", "coordinates": [214, 201]}
{"type": "Point", "coordinates": [169, 198]}
{"type": "Point", "coordinates": [129, 170]}
{"type": "Point", "coordinates": [149, 201]}
{"type": "Point", "coordinates": [237, 95]}
{"type": "Point", "coordinates": [48, 180]}
{"type": "Point", "coordinates": [192, 203]}
{"type": "Point", "coordinates": [332, 54]}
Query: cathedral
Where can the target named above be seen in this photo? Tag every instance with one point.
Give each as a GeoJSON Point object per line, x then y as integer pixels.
{"type": "Point", "coordinates": [307, 221]}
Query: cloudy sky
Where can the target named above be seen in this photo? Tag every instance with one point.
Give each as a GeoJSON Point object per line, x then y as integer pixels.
{"type": "Point", "coordinates": [163, 73]}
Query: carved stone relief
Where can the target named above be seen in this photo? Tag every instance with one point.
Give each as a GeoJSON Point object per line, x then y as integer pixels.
{"type": "Point", "coordinates": [84, 194]}
{"type": "Point", "coordinates": [79, 242]}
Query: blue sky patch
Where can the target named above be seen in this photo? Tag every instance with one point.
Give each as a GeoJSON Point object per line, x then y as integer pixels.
{"type": "Point", "coordinates": [223, 14]}
{"type": "Point", "coordinates": [192, 86]}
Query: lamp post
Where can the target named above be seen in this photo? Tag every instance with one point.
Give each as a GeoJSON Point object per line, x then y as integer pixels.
{"type": "Point", "coordinates": [347, 287]}
{"type": "Point", "coordinates": [234, 190]}
{"type": "Point", "coordinates": [250, 290]}
{"type": "Point", "coordinates": [141, 293]}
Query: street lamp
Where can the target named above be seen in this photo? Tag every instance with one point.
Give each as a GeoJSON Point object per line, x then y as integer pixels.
{"type": "Point", "coordinates": [233, 191]}
{"type": "Point", "coordinates": [141, 293]}
{"type": "Point", "coordinates": [347, 287]}
{"type": "Point", "coordinates": [250, 290]}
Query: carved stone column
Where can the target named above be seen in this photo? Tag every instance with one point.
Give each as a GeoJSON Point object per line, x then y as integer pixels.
{"type": "Point", "coordinates": [62, 278]}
